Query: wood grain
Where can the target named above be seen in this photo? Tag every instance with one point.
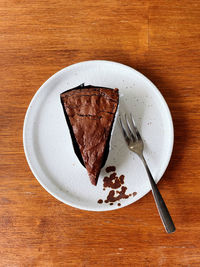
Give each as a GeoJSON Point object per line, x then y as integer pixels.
{"type": "Point", "coordinates": [160, 39]}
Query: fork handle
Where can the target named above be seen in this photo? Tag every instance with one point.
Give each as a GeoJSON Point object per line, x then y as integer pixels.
{"type": "Point", "coordinates": [162, 209]}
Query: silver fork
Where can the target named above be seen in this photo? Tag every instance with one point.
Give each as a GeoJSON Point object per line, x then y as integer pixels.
{"type": "Point", "coordinates": [135, 144]}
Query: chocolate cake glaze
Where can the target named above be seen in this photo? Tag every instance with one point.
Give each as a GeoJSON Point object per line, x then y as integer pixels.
{"type": "Point", "coordinates": [90, 113]}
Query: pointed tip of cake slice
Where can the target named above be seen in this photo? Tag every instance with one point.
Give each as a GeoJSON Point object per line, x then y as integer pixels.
{"type": "Point", "coordinates": [93, 178]}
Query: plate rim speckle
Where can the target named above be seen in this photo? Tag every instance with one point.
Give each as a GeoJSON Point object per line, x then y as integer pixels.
{"type": "Point", "coordinates": [57, 74]}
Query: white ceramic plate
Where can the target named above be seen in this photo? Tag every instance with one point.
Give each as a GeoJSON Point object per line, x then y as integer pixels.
{"type": "Point", "coordinates": [48, 146]}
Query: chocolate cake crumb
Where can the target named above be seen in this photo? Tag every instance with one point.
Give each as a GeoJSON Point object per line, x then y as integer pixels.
{"type": "Point", "coordinates": [111, 169]}
{"type": "Point", "coordinates": [113, 181]}
{"type": "Point", "coordinates": [120, 194]}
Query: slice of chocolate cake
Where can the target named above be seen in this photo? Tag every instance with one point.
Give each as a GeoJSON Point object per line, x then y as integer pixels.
{"type": "Point", "coordinates": [90, 113]}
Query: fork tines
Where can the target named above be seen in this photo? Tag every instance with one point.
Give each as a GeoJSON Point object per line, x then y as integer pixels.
{"type": "Point", "coordinates": [129, 128]}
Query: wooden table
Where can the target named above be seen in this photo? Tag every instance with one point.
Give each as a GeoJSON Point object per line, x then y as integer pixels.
{"type": "Point", "coordinates": [160, 39]}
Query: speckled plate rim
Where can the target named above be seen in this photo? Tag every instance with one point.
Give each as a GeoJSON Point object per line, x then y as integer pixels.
{"type": "Point", "coordinates": [54, 76]}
